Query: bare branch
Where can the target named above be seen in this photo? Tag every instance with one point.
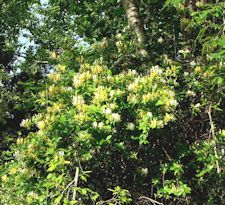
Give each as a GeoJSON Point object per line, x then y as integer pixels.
{"type": "Point", "coordinates": [212, 130]}
{"type": "Point", "coordinates": [152, 201]}
{"type": "Point", "coordinates": [75, 183]}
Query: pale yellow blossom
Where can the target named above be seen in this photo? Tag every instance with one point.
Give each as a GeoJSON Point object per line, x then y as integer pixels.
{"type": "Point", "coordinates": [78, 100]}
{"type": "Point", "coordinates": [26, 123]}
{"type": "Point", "coordinates": [54, 77]}
{"type": "Point", "coordinates": [100, 94]}
{"type": "Point", "coordinates": [61, 68]}
{"type": "Point", "coordinates": [107, 111]}
{"type": "Point", "coordinates": [95, 124]}
{"type": "Point", "coordinates": [130, 126]}
{"type": "Point", "coordinates": [41, 125]}
{"type": "Point", "coordinates": [13, 170]}
{"type": "Point", "coordinates": [101, 125]}
{"type": "Point", "coordinates": [20, 141]}
{"type": "Point", "coordinates": [168, 117]}
{"type": "Point", "coordinates": [115, 117]}
{"type": "Point", "coordinates": [4, 178]}
{"type": "Point", "coordinates": [153, 123]}
{"type": "Point", "coordinates": [113, 106]}
{"type": "Point", "coordinates": [52, 90]}
{"type": "Point", "coordinates": [131, 98]}
{"type": "Point", "coordinates": [149, 114]}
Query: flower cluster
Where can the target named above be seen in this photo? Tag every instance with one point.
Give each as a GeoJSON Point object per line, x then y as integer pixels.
{"type": "Point", "coordinates": [89, 109]}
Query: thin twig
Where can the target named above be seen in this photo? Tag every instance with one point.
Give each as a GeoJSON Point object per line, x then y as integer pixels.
{"type": "Point", "coordinates": [107, 201]}
{"type": "Point", "coordinates": [166, 153]}
{"type": "Point", "coordinates": [75, 183]}
{"type": "Point", "coordinates": [151, 200]}
{"type": "Point", "coordinates": [212, 129]}
{"type": "Point", "coordinates": [68, 186]}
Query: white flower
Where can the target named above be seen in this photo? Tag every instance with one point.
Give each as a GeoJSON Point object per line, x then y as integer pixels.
{"type": "Point", "coordinates": [114, 130]}
{"type": "Point", "coordinates": [130, 126]}
{"type": "Point", "coordinates": [112, 93]}
{"type": "Point", "coordinates": [173, 103]}
{"type": "Point", "coordinates": [100, 125]}
{"type": "Point", "coordinates": [95, 77]}
{"type": "Point", "coordinates": [190, 93]}
{"type": "Point", "coordinates": [77, 82]}
{"type": "Point", "coordinates": [78, 100]}
{"type": "Point", "coordinates": [184, 51]}
{"type": "Point", "coordinates": [155, 67]}
{"type": "Point", "coordinates": [41, 125]}
{"type": "Point", "coordinates": [197, 105]}
{"type": "Point", "coordinates": [193, 63]}
{"type": "Point", "coordinates": [115, 117]}
{"type": "Point", "coordinates": [69, 88]}
{"type": "Point", "coordinates": [19, 141]}
{"type": "Point", "coordinates": [119, 36]}
{"type": "Point", "coordinates": [131, 87]}
{"type": "Point", "coordinates": [33, 195]}
{"type": "Point", "coordinates": [109, 77]}
{"type": "Point", "coordinates": [95, 124]}
{"type": "Point", "coordinates": [107, 111]}
{"type": "Point", "coordinates": [149, 114]}
{"type": "Point", "coordinates": [222, 151]}
{"type": "Point", "coordinates": [113, 106]}
{"type": "Point", "coordinates": [119, 92]}
{"type": "Point", "coordinates": [25, 123]}
{"type": "Point", "coordinates": [160, 40]}
{"type": "Point", "coordinates": [132, 98]}
{"type": "Point", "coordinates": [61, 153]}
{"type": "Point", "coordinates": [157, 70]}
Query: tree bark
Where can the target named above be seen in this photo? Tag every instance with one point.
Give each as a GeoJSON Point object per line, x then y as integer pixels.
{"type": "Point", "coordinates": [224, 19]}
{"type": "Point", "coordinates": [136, 24]}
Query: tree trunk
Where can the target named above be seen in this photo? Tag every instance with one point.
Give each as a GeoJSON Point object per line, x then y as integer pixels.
{"type": "Point", "coordinates": [224, 19]}
{"type": "Point", "coordinates": [135, 24]}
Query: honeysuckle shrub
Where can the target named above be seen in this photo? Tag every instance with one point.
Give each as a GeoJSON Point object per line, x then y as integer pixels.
{"type": "Point", "coordinates": [88, 116]}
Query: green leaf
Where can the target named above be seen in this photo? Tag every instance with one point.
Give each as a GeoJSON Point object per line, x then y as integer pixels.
{"type": "Point", "coordinates": [58, 199]}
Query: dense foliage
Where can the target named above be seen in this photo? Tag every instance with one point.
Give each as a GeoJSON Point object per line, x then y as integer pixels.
{"type": "Point", "coordinates": [112, 102]}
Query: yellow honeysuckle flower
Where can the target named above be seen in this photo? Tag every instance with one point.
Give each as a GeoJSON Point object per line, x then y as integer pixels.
{"type": "Point", "coordinates": [101, 125]}
{"type": "Point", "coordinates": [26, 123]}
{"type": "Point", "coordinates": [100, 95]}
{"type": "Point", "coordinates": [61, 68]}
{"type": "Point", "coordinates": [54, 77]}
{"type": "Point", "coordinates": [41, 125]}
{"type": "Point", "coordinates": [168, 117]}
{"type": "Point", "coordinates": [19, 141]}
{"type": "Point", "coordinates": [81, 118]}
{"type": "Point", "coordinates": [131, 98]}
{"type": "Point", "coordinates": [115, 117]}
{"type": "Point", "coordinates": [113, 106]}
{"type": "Point", "coordinates": [4, 178]}
{"type": "Point", "coordinates": [153, 123]}
{"type": "Point", "coordinates": [13, 170]}
{"type": "Point", "coordinates": [130, 126]}
{"type": "Point", "coordinates": [52, 90]}
{"type": "Point", "coordinates": [97, 69]}
{"type": "Point", "coordinates": [78, 100]}
{"type": "Point", "coordinates": [77, 82]}
{"type": "Point", "coordinates": [198, 69]}
{"type": "Point", "coordinates": [31, 147]}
